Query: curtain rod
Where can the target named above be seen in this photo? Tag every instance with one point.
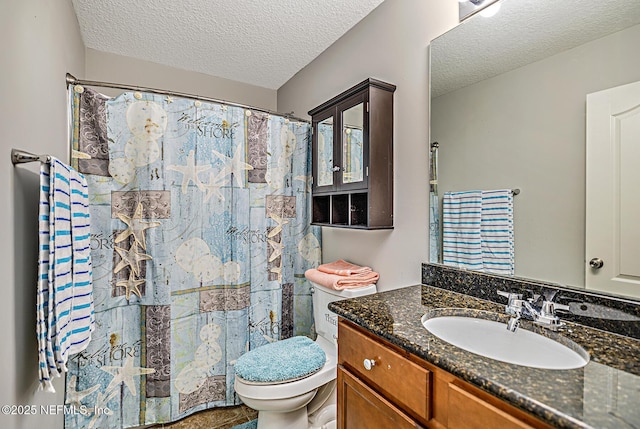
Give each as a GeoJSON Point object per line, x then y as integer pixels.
{"type": "Point", "coordinates": [71, 80]}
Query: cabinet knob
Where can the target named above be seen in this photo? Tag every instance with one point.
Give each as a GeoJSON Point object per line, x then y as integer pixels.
{"type": "Point", "coordinates": [336, 168]}
{"type": "Point", "coordinates": [368, 364]}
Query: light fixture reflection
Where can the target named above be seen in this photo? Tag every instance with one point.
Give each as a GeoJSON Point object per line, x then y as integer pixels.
{"type": "Point", "coordinates": [486, 8]}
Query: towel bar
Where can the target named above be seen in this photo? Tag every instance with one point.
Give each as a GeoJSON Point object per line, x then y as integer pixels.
{"type": "Point", "coordinates": [20, 157]}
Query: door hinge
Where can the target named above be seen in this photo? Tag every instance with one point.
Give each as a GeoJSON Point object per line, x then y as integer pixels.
{"type": "Point", "coordinates": [367, 105]}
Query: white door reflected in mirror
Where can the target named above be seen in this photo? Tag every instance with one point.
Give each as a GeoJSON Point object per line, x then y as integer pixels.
{"type": "Point", "coordinates": [613, 181]}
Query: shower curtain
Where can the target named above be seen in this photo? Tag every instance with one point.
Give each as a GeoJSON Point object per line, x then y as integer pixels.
{"type": "Point", "coordinates": [200, 238]}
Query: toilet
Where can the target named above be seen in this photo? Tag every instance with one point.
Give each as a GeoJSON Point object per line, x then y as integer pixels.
{"type": "Point", "coordinates": [307, 402]}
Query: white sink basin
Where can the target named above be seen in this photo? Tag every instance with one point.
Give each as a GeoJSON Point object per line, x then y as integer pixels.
{"type": "Point", "coordinates": [492, 339]}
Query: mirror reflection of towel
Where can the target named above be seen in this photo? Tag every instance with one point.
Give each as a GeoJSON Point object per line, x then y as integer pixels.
{"type": "Point", "coordinates": [497, 231]}
{"type": "Point", "coordinates": [461, 237]}
{"type": "Point", "coordinates": [477, 230]}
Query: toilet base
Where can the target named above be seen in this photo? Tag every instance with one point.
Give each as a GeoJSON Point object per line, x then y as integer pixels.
{"type": "Point", "coordinates": [281, 413]}
{"type": "Point", "coordinates": [323, 409]}
{"type": "Point", "coordinates": [324, 419]}
{"type": "Point", "coordinates": [313, 410]}
{"type": "Point", "coordinates": [297, 419]}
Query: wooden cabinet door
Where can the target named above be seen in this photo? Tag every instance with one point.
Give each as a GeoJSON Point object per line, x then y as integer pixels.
{"type": "Point", "coordinates": [405, 383]}
{"type": "Point", "coordinates": [467, 411]}
{"type": "Point", "coordinates": [360, 407]}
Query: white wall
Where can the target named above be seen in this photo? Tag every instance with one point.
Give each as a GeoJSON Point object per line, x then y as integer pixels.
{"type": "Point", "coordinates": [390, 44]}
{"type": "Point", "coordinates": [41, 42]}
{"type": "Point", "coordinates": [107, 67]}
{"type": "Point", "coordinates": [526, 129]}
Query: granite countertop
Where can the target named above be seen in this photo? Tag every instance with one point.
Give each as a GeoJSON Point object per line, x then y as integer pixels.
{"type": "Point", "coordinates": [603, 394]}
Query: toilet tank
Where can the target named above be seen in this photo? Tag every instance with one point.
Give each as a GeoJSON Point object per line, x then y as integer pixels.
{"type": "Point", "coordinates": [325, 320]}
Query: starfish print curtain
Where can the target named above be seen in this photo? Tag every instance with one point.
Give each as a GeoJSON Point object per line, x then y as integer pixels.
{"type": "Point", "coordinates": [200, 239]}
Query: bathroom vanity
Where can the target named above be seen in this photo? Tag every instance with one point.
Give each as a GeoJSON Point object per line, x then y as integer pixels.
{"type": "Point", "coordinates": [394, 373]}
{"type": "Point", "coordinates": [403, 391]}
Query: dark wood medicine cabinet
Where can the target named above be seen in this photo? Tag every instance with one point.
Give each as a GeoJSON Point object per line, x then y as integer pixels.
{"type": "Point", "coordinates": [353, 158]}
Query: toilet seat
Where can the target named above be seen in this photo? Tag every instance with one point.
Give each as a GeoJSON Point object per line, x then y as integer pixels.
{"type": "Point", "coordinates": [288, 389]}
{"type": "Point", "coordinates": [267, 383]}
{"type": "Point", "coordinates": [283, 361]}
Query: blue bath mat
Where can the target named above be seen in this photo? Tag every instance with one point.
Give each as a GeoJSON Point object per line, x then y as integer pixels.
{"type": "Point", "coordinates": [253, 424]}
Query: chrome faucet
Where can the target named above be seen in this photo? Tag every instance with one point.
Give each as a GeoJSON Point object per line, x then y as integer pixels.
{"type": "Point", "coordinates": [541, 309]}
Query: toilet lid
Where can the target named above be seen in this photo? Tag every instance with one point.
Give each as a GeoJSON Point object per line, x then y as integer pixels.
{"type": "Point", "coordinates": [282, 361]}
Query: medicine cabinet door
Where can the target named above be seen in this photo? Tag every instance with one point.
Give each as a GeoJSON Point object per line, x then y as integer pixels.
{"type": "Point", "coordinates": [353, 138]}
{"type": "Point", "coordinates": [326, 165]}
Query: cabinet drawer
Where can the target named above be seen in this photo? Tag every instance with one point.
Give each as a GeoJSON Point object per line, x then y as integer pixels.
{"type": "Point", "coordinates": [405, 383]}
{"type": "Point", "coordinates": [361, 407]}
{"type": "Point", "coordinates": [467, 411]}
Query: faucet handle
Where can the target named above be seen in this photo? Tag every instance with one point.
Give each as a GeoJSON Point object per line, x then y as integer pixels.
{"type": "Point", "coordinates": [549, 308]}
{"type": "Point", "coordinates": [503, 293]}
{"type": "Point", "coordinates": [549, 305]}
{"type": "Point", "coordinates": [509, 295]}
{"type": "Point", "coordinates": [514, 303]}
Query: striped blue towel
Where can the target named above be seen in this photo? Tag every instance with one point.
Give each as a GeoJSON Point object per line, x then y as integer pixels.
{"type": "Point", "coordinates": [65, 292]}
{"type": "Point", "coordinates": [461, 237]}
{"type": "Point", "coordinates": [81, 322]}
{"type": "Point", "coordinates": [46, 361]}
{"type": "Point", "coordinates": [497, 231]}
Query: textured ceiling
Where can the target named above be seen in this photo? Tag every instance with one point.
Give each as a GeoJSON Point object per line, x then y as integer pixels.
{"type": "Point", "coordinates": [523, 31]}
{"type": "Point", "coordinates": [261, 43]}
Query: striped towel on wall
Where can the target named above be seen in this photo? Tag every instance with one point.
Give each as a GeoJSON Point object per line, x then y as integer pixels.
{"type": "Point", "coordinates": [461, 237]}
{"type": "Point", "coordinates": [82, 323]}
{"type": "Point", "coordinates": [46, 361]}
{"type": "Point", "coordinates": [497, 231]}
{"type": "Point", "coordinates": [65, 289]}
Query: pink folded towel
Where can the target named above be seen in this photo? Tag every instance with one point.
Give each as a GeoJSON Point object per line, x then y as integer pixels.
{"type": "Point", "coordinates": [338, 282]}
{"type": "Point", "coordinates": [343, 268]}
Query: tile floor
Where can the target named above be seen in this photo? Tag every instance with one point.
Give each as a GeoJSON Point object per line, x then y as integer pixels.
{"type": "Point", "coordinates": [219, 418]}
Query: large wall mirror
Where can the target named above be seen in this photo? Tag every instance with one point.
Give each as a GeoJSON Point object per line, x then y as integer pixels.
{"type": "Point", "coordinates": [509, 110]}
